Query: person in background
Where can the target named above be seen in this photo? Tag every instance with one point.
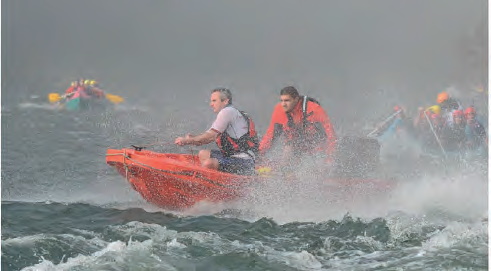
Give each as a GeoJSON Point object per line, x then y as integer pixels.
{"type": "Point", "coordinates": [475, 134]}
{"type": "Point", "coordinates": [304, 127]}
{"type": "Point", "coordinates": [76, 87]}
{"type": "Point", "coordinates": [81, 82]}
{"type": "Point", "coordinates": [234, 133]}
{"type": "Point", "coordinates": [453, 137]}
{"type": "Point", "coordinates": [72, 88]}
{"type": "Point", "coordinates": [399, 123]}
{"type": "Point", "coordinates": [426, 126]}
{"type": "Point", "coordinates": [420, 120]}
{"type": "Point", "coordinates": [93, 89]}
{"type": "Point", "coordinates": [448, 105]}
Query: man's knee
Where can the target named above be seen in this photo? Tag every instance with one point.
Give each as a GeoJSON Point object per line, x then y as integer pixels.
{"type": "Point", "coordinates": [210, 163]}
{"type": "Point", "coordinates": [204, 153]}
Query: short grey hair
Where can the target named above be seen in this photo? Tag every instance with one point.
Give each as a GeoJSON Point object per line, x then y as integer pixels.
{"type": "Point", "coordinates": [224, 94]}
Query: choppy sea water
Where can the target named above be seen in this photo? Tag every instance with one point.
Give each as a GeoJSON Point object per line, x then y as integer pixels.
{"type": "Point", "coordinates": [63, 208]}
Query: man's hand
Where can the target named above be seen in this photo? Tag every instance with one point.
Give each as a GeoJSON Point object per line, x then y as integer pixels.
{"type": "Point", "coordinates": [181, 141]}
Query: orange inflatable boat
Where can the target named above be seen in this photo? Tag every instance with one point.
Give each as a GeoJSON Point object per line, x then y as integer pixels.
{"type": "Point", "coordinates": [175, 181]}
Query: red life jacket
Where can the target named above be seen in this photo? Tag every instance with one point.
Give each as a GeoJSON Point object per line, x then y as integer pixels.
{"type": "Point", "coordinates": [247, 142]}
{"type": "Point", "coordinates": [304, 131]}
{"type": "Point", "coordinates": [82, 92]}
{"type": "Point", "coordinates": [304, 110]}
{"type": "Point", "coordinates": [70, 90]}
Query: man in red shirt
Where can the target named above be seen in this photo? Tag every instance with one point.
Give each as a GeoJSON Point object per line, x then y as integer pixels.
{"type": "Point", "coordinates": [303, 125]}
{"type": "Point", "coordinates": [72, 88]}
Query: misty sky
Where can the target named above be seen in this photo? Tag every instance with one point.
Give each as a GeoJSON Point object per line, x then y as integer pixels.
{"type": "Point", "coordinates": [349, 54]}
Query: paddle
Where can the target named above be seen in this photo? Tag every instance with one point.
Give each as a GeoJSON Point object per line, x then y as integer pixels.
{"type": "Point", "coordinates": [55, 97]}
{"type": "Point", "coordinates": [115, 99]}
{"type": "Point", "coordinates": [384, 122]}
{"type": "Point", "coordinates": [436, 136]}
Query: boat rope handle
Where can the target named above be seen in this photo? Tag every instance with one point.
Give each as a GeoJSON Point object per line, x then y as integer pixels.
{"type": "Point", "coordinates": [158, 142]}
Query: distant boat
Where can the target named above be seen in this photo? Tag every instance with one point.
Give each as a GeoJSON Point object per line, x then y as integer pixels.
{"type": "Point", "coordinates": [77, 101]}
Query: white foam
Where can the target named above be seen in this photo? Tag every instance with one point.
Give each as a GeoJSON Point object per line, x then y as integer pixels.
{"type": "Point", "coordinates": [45, 106]}
{"type": "Point", "coordinates": [462, 197]}
{"type": "Point", "coordinates": [29, 240]}
{"type": "Point", "coordinates": [302, 260]}
{"type": "Point", "coordinates": [459, 233]}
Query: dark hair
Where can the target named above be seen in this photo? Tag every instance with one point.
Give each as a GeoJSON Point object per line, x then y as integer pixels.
{"type": "Point", "coordinates": [224, 94]}
{"type": "Point", "coordinates": [292, 91]}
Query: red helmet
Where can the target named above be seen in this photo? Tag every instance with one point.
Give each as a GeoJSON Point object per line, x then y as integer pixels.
{"type": "Point", "coordinates": [470, 110]}
{"type": "Point", "coordinates": [458, 113]}
{"type": "Point", "coordinates": [397, 108]}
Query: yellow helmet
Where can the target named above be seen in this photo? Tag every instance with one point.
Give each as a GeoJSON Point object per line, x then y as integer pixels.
{"type": "Point", "coordinates": [93, 83]}
{"type": "Point", "coordinates": [435, 109]}
{"type": "Point", "coordinates": [87, 82]}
